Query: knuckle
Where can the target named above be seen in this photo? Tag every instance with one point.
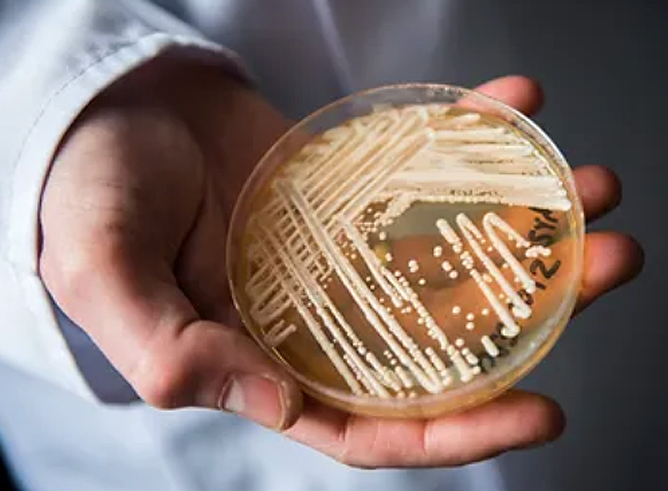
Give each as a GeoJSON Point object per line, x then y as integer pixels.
{"type": "Point", "coordinates": [162, 383]}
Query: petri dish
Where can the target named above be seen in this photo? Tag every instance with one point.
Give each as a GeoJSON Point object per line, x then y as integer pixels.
{"type": "Point", "coordinates": [408, 251]}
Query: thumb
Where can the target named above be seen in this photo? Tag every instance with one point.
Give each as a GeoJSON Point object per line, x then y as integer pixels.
{"type": "Point", "coordinates": [148, 329]}
{"type": "Point", "coordinates": [109, 238]}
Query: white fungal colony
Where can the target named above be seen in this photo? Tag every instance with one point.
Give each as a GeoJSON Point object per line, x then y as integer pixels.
{"type": "Point", "coordinates": [332, 202]}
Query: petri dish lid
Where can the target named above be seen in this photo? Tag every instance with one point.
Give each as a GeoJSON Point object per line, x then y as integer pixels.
{"type": "Point", "coordinates": [409, 250]}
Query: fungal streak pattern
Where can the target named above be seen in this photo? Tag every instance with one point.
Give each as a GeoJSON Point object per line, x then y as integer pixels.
{"type": "Point", "coordinates": [308, 236]}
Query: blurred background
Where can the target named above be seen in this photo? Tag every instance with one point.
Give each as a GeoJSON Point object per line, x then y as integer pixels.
{"type": "Point", "coordinates": [603, 68]}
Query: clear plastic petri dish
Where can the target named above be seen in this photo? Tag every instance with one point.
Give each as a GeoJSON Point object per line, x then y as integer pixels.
{"type": "Point", "coordinates": [408, 251]}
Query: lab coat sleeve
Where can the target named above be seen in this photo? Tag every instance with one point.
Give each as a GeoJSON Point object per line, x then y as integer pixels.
{"type": "Point", "coordinates": [55, 57]}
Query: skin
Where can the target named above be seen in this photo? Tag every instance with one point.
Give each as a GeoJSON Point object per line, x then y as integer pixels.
{"type": "Point", "coordinates": [134, 221]}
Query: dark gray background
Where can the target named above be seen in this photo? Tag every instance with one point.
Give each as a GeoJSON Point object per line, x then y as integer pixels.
{"type": "Point", "coordinates": [603, 67]}
{"type": "Point", "coordinates": [605, 74]}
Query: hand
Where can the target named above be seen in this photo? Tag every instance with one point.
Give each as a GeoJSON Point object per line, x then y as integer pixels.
{"type": "Point", "coordinates": [134, 218]}
{"type": "Point", "coordinates": [517, 419]}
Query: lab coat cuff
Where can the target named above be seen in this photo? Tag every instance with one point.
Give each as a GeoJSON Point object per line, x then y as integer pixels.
{"type": "Point", "coordinates": [51, 357]}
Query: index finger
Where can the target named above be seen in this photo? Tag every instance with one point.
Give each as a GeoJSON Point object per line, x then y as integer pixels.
{"type": "Point", "coordinates": [518, 92]}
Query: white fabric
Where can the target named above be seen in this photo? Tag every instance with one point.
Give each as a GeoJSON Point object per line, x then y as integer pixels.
{"type": "Point", "coordinates": [59, 54]}
{"type": "Point", "coordinates": [71, 445]}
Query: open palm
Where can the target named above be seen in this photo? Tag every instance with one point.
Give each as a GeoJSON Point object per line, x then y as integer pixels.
{"type": "Point", "coordinates": [134, 222]}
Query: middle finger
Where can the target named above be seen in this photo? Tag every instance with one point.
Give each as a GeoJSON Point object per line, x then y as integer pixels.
{"type": "Point", "coordinates": [599, 190]}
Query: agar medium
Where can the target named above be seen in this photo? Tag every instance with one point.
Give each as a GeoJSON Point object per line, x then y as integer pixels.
{"type": "Point", "coordinates": [408, 251]}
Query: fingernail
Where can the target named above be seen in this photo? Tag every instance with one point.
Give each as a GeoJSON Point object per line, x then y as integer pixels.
{"type": "Point", "coordinates": [256, 398]}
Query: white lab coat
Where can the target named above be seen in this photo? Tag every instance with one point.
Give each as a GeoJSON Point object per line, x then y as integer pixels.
{"type": "Point", "coordinates": [60, 431]}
